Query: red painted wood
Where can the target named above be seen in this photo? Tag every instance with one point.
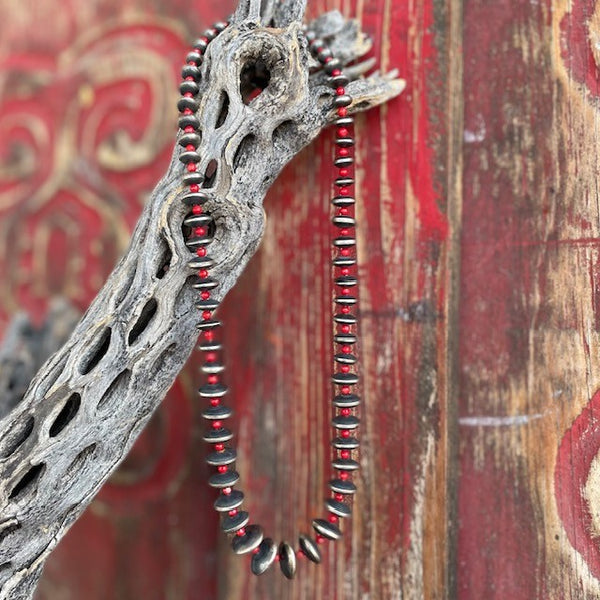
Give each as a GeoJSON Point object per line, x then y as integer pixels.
{"type": "Point", "coordinates": [152, 533]}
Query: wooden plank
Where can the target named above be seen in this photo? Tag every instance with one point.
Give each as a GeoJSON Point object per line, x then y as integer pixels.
{"type": "Point", "coordinates": [528, 311]}
{"type": "Point", "coordinates": [152, 532]}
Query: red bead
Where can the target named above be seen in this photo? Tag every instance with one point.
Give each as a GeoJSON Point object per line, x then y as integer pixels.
{"type": "Point", "coordinates": [197, 209]}
{"type": "Point", "coordinates": [203, 39]}
{"type": "Point", "coordinates": [299, 552]}
{"type": "Point", "coordinates": [206, 314]}
{"type": "Point", "coordinates": [212, 379]}
{"type": "Point", "coordinates": [344, 211]}
{"type": "Point", "coordinates": [191, 148]}
{"type": "Point", "coordinates": [345, 389]}
{"type": "Point", "coordinates": [345, 251]}
{"type": "Point", "coordinates": [227, 491]}
{"type": "Point", "coordinates": [219, 447]}
{"type": "Point", "coordinates": [346, 349]}
{"type": "Point", "coordinates": [209, 335]}
{"type": "Point", "coordinates": [345, 433]}
{"type": "Point", "coordinates": [255, 551]}
{"type": "Point", "coordinates": [200, 231]}
{"type": "Point", "coordinates": [189, 129]}
{"type": "Point", "coordinates": [201, 252]}
{"type": "Point", "coordinates": [345, 328]}
{"type": "Point", "coordinates": [194, 188]}
{"type": "Point", "coordinates": [344, 231]}
{"type": "Point", "coordinates": [344, 191]}
{"type": "Point", "coordinates": [188, 111]}
{"type": "Point", "coordinates": [240, 532]}
{"type": "Point", "coordinates": [342, 111]}
{"type": "Point", "coordinates": [343, 172]}
{"type": "Point", "coordinates": [222, 468]}
{"type": "Point", "coordinates": [345, 310]}
{"type": "Point", "coordinates": [206, 295]}
{"type": "Point", "coordinates": [340, 91]}
{"type": "Point", "coordinates": [336, 72]}
{"type": "Point", "coordinates": [343, 152]}
{"type": "Point", "coordinates": [343, 132]}
{"type": "Point", "coordinates": [233, 512]}
{"type": "Point", "coordinates": [345, 271]}
{"type": "Point", "coordinates": [339, 497]}
{"type": "Point", "coordinates": [211, 356]}
{"type": "Point", "coordinates": [203, 273]}
{"type": "Point", "coordinates": [191, 167]}
{"type": "Point", "coordinates": [344, 476]}
{"type": "Point", "coordinates": [189, 78]}
{"type": "Point", "coordinates": [187, 95]}
{"type": "Point", "coordinates": [320, 539]}
{"type": "Point", "coordinates": [345, 368]}
{"type": "Point", "coordinates": [328, 59]}
{"type": "Point", "coordinates": [345, 292]}
{"type": "Point", "coordinates": [333, 519]}
{"type": "Point", "coordinates": [215, 401]}
{"type": "Point", "coordinates": [345, 453]}
{"type": "Point", "coordinates": [346, 413]}
{"type": "Point", "coordinates": [216, 424]}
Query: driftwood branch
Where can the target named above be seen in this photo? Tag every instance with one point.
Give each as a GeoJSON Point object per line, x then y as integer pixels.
{"type": "Point", "coordinates": [89, 401]}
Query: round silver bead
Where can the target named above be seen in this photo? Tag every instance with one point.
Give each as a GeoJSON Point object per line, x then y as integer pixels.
{"type": "Point", "coordinates": [340, 509]}
{"type": "Point", "coordinates": [227, 502]}
{"type": "Point", "coordinates": [287, 560]}
{"type": "Point", "coordinates": [309, 548]}
{"type": "Point", "coordinates": [264, 558]}
{"type": "Point", "coordinates": [327, 529]}
{"type": "Point", "coordinates": [231, 524]}
{"type": "Point", "coordinates": [242, 544]}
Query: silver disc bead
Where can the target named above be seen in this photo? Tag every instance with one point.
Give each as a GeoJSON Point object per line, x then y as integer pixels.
{"type": "Point", "coordinates": [242, 544]}
{"type": "Point", "coordinates": [287, 560]}
{"type": "Point", "coordinates": [223, 480]}
{"type": "Point", "coordinates": [227, 502]}
{"type": "Point", "coordinates": [327, 529]}
{"type": "Point", "coordinates": [212, 390]}
{"type": "Point", "coordinates": [231, 524]}
{"type": "Point", "coordinates": [217, 413]}
{"type": "Point", "coordinates": [264, 558]}
{"type": "Point", "coordinates": [222, 458]}
{"type": "Point", "coordinates": [340, 509]}
{"type": "Point", "coordinates": [217, 436]}
{"type": "Point", "coordinates": [345, 464]}
{"type": "Point", "coordinates": [345, 443]}
{"type": "Point", "coordinates": [342, 486]}
{"type": "Point", "coordinates": [309, 548]}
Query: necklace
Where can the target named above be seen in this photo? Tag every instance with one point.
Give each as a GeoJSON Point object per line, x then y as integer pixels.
{"type": "Point", "coordinates": [247, 537]}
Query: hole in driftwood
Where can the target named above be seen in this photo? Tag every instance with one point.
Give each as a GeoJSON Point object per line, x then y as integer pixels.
{"type": "Point", "coordinates": [244, 151]}
{"type": "Point", "coordinates": [254, 78]}
{"type": "Point", "coordinates": [148, 313]}
{"type": "Point", "coordinates": [28, 481]}
{"type": "Point", "coordinates": [77, 465]}
{"type": "Point", "coordinates": [115, 392]}
{"type": "Point", "coordinates": [66, 415]}
{"type": "Point", "coordinates": [16, 436]}
{"type": "Point", "coordinates": [5, 571]}
{"type": "Point", "coordinates": [162, 361]}
{"type": "Point", "coordinates": [224, 110]}
{"type": "Point", "coordinates": [285, 129]}
{"type": "Point", "coordinates": [4, 533]}
{"type": "Point", "coordinates": [96, 355]}
{"type": "Point", "coordinates": [210, 174]}
{"type": "Point", "coordinates": [164, 262]}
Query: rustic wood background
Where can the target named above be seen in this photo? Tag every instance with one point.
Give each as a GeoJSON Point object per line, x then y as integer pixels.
{"type": "Point", "coordinates": [480, 301]}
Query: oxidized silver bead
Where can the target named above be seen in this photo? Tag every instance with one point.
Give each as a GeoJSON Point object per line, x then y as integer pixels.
{"type": "Point", "coordinates": [217, 413]}
{"type": "Point", "coordinates": [345, 359]}
{"type": "Point", "coordinates": [195, 242]}
{"type": "Point", "coordinates": [220, 26]}
{"type": "Point", "coordinates": [309, 548]}
{"type": "Point", "coordinates": [210, 347]}
{"type": "Point", "coordinates": [217, 436]}
{"type": "Point", "coordinates": [345, 464]}
{"type": "Point", "coordinates": [194, 57]}
{"type": "Point", "coordinates": [206, 304]}
{"type": "Point", "coordinates": [344, 122]}
{"type": "Point", "coordinates": [344, 378]}
{"type": "Point", "coordinates": [242, 544]}
{"type": "Point", "coordinates": [345, 443]}
{"type": "Point", "coordinates": [206, 283]}
{"type": "Point", "coordinates": [202, 220]}
{"type": "Point", "coordinates": [344, 181]}
{"type": "Point", "coordinates": [189, 87]}
{"type": "Point", "coordinates": [324, 55]}
{"type": "Point", "coordinates": [212, 390]}
{"type": "Point", "coordinates": [208, 324]}
{"type": "Point", "coordinates": [339, 81]}
{"type": "Point", "coordinates": [187, 102]}
{"type": "Point", "coordinates": [344, 142]}
{"type": "Point", "coordinates": [340, 509]}
{"type": "Point", "coordinates": [343, 221]}
{"type": "Point", "coordinates": [264, 558]}
{"type": "Point", "coordinates": [287, 560]}
{"type": "Point", "coordinates": [343, 201]}
{"type": "Point", "coordinates": [212, 368]}
{"type": "Point", "coordinates": [200, 262]}
{"type": "Point", "coordinates": [227, 502]}
{"type": "Point", "coordinates": [344, 261]}
{"type": "Point", "coordinates": [346, 300]}
{"type": "Point", "coordinates": [343, 161]}
{"type": "Point", "coordinates": [346, 400]}
{"type": "Point", "coordinates": [343, 100]}
{"type": "Point", "coordinates": [332, 65]}
{"type": "Point", "coordinates": [344, 241]}
{"type": "Point", "coordinates": [191, 71]}
{"type": "Point", "coordinates": [342, 486]}
{"type": "Point", "coordinates": [231, 523]}
{"type": "Point", "coordinates": [192, 178]}
{"type": "Point", "coordinates": [222, 458]}
{"type": "Point", "coordinates": [201, 45]}
{"type": "Point", "coordinates": [223, 480]}
{"type": "Point", "coordinates": [195, 198]}
{"type": "Point", "coordinates": [327, 529]}
{"type": "Point", "coordinates": [188, 121]}
{"type": "Point", "coordinates": [346, 281]}
{"type": "Point", "coordinates": [344, 338]}
{"type": "Point", "coordinates": [344, 318]}
{"type": "Point", "coordinates": [345, 422]}
{"type": "Point", "coordinates": [190, 139]}
{"type": "Point", "coordinates": [189, 156]}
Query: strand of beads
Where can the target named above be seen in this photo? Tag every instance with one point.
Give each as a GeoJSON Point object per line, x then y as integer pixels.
{"type": "Point", "coordinates": [246, 537]}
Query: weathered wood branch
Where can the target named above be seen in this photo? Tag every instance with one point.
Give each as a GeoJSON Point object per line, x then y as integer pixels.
{"type": "Point", "coordinates": [88, 403]}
